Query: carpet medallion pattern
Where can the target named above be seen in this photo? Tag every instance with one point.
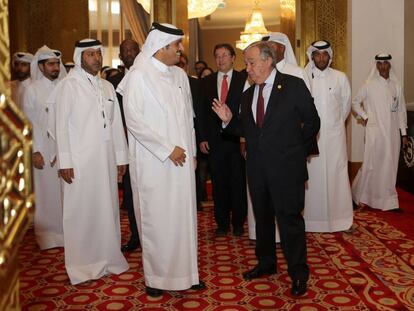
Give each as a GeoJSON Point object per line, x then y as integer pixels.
{"type": "Point", "coordinates": [370, 267]}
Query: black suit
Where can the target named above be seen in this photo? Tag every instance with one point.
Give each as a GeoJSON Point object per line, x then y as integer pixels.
{"type": "Point", "coordinates": [201, 170]}
{"type": "Point", "coordinates": [227, 166]}
{"type": "Point", "coordinates": [276, 168]}
{"type": "Point", "coordinates": [126, 180]}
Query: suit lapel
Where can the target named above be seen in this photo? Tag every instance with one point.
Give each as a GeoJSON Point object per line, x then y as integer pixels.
{"type": "Point", "coordinates": [214, 86]}
{"type": "Point", "coordinates": [232, 86]}
{"type": "Point", "coordinates": [249, 103]}
{"type": "Point", "coordinates": [274, 96]}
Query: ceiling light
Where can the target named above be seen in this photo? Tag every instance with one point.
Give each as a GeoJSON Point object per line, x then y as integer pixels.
{"type": "Point", "coordinates": [196, 8]}
{"type": "Point", "coordinates": [254, 30]}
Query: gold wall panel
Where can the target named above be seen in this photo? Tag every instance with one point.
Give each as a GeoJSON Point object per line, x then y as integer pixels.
{"type": "Point", "coordinates": [181, 21]}
{"type": "Point", "coordinates": [57, 24]}
{"type": "Point", "coordinates": [16, 192]}
{"type": "Point", "coordinates": [163, 11]}
{"type": "Point", "coordinates": [288, 20]}
{"type": "Point", "coordinates": [325, 20]}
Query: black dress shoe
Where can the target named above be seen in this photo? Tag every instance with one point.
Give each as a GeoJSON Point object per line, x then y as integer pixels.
{"type": "Point", "coordinates": [257, 272]}
{"type": "Point", "coordinates": [238, 231]}
{"type": "Point", "coordinates": [200, 286]}
{"type": "Point", "coordinates": [153, 292]}
{"type": "Point", "coordinates": [130, 246]}
{"type": "Point", "coordinates": [396, 210]}
{"type": "Point", "coordinates": [298, 288]}
{"type": "Point", "coordinates": [221, 232]}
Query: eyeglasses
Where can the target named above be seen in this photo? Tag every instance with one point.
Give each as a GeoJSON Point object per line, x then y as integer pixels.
{"type": "Point", "coordinates": [222, 56]}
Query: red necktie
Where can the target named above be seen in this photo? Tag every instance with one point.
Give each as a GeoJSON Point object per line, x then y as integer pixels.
{"type": "Point", "coordinates": [224, 89]}
{"type": "Point", "coordinates": [260, 111]}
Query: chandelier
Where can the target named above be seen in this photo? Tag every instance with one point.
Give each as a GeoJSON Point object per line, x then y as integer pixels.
{"type": "Point", "coordinates": [253, 31]}
{"type": "Point", "coordinates": [196, 8]}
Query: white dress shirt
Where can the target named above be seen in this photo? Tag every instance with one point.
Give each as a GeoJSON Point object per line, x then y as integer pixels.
{"type": "Point", "coordinates": [267, 90]}
{"type": "Point", "coordinates": [220, 76]}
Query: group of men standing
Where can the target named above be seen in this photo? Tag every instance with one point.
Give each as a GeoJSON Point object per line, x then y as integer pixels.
{"type": "Point", "coordinates": [293, 124]}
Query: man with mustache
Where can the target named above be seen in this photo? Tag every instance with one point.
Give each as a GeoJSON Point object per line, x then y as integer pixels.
{"type": "Point", "coordinates": [159, 116]}
{"type": "Point", "coordinates": [92, 154]}
{"type": "Point", "coordinates": [21, 72]}
{"type": "Point", "coordinates": [47, 70]}
{"type": "Point", "coordinates": [380, 103]}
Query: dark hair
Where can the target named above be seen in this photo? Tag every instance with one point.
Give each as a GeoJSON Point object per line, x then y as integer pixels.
{"type": "Point", "coordinates": [204, 69]}
{"type": "Point", "coordinates": [226, 46]}
{"type": "Point", "coordinates": [126, 41]}
{"type": "Point", "coordinates": [201, 62]}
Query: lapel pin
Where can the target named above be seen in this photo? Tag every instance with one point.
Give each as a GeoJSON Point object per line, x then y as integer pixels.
{"type": "Point", "coordinates": [279, 86]}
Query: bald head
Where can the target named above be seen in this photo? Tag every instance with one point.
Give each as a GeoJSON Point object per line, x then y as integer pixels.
{"type": "Point", "coordinates": [128, 50]}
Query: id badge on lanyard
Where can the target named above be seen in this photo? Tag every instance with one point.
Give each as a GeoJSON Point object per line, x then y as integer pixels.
{"type": "Point", "coordinates": [394, 105]}
{"type": "Point", "coordinates": [106, 132]}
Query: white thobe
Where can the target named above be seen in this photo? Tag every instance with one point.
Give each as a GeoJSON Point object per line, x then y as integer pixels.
{"type": "Point", "coordinates": [48, 222]}
{"type": "Point", "coordinates": [91, 140]}
{"type": "Point", "coordinates": [384, 107]}
{"type": "Point", "coordinates": [159, 116]}
{"type": "Point", "coordinates": [293, 70]}
{"type": "Point", "coordinates": [328, 199]}
{"type": "Point", "coordinates": [17, 90]}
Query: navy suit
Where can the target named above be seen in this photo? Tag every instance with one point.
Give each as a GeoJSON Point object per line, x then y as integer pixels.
{"type": "Point", "coordinates": [276, 168]}
{"type": "Point", "coordinates": [128, 203]}
{"type": "Point", "coordinates": [227, 166]}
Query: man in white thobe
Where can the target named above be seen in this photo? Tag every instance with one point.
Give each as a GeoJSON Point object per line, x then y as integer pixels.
{"type": "Point", "coordinates": [285, 57]}
{"type": "Point", "coordinates": [47, 70]}
{"type": "Point", "coordinates": [328, 199]}
{"type": "Point", "coordinates": [21, 70]}
{"type": "Point", "coordinates": [159, 117]}
{"type": "Point", "coordinates": [385, 118]}
{"type": "Point", "coordinates": [92, 153]}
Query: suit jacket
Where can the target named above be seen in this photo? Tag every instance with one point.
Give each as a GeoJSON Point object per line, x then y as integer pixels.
{"type": "Point", "coordinates": [279, 149]}
{"type": "Point", "coordinates": [115, 80]}
{"type": "Point", "coordinates": [209, 126]}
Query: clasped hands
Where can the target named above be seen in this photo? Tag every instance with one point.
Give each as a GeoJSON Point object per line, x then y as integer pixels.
{"type": "Point", "coordinates": [178, 156]}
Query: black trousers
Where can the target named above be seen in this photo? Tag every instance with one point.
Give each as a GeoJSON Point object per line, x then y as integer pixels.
{"type": "Point", "coordinates": [201, 175]}
{"type": "Point", "coordinates": [228, 177]}
{"type": "Point", "coordinates": [286, 203]}
{"type": "Point", "coordinates": [128, 204]}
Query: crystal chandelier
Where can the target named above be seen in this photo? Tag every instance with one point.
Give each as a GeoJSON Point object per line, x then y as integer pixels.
{"type": "Point", "coordinates": [253, 31]}
{"type": "Point", "coordinates": [196, 8]}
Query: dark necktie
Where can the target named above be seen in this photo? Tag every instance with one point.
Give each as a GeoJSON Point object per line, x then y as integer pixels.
{"type": "Point", "coordinates": [260, 111]}
{"type": "Point", "coordinates": [224, 89]}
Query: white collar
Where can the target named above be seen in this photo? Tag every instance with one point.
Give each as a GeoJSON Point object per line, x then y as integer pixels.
{"type": "Point", "coordinates": [221, 74]}
{"type": "Point", "coordinates": [159, 65]}
{"type": "Point", "coordinates": [271, 78]}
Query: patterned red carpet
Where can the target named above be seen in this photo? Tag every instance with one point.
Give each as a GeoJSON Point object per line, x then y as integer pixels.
{"type": "Point", "coordinates": [368, 268]}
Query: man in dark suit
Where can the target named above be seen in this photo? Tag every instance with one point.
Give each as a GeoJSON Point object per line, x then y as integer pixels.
{"type": "Point", "coordinates": [227, 166]}
{"type": "Point", "coordinates": [128, 50]}
{"type": "Point", "coordinates": [280, 123]}
{"type": "Point", "coordinates": [195, 89]}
